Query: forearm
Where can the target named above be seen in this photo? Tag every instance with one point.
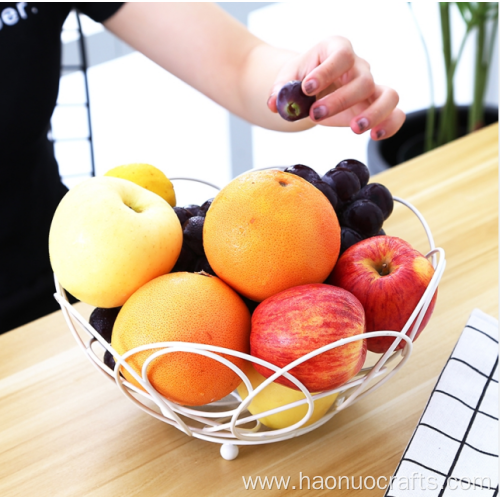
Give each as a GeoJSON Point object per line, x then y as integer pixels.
{"type": "Point", "coordinates": [212, 52]}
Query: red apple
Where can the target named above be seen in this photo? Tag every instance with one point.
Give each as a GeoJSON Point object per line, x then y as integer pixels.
{"type": "Point", "coordinates": [388, 277]}
{"type": "Point", "coordinates": [299, 320]}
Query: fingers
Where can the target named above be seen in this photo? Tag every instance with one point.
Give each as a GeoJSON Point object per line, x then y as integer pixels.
{"type": "Point", "coordinates": [388, 127]}
{"type": "Point", "coordinates": [317, 68]}
{"type": "Point", "coordinates": [354, 92]}
{"type": "Point", "coordinates": [271, 102]}
{"type": "Point", "coordinates": [346, 94]}
{"type": "Point", "coordinates": [326, 63]}
{"type": "Point", "coordinates": [287, 73]}
{"type": "Point", "coordinates": [381, 116]}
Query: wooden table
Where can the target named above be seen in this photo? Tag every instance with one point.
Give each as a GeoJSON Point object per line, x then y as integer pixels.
{"type": "Point", "coordinates": [66, 430]}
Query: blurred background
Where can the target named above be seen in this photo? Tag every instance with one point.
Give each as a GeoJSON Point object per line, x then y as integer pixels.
{"type": "Point", "coordinates": [115, 106]}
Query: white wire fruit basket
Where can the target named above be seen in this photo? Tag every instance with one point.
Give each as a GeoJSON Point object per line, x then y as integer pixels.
{"type": "Point", "coordinates": [228, 421]}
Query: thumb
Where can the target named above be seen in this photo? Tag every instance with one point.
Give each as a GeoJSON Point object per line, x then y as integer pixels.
{"type": "Point", "coordinates": [287, 73]}
{"type": "Point", "coordinates": [297, 68]}
{"type": "Point", "coordinates": [271, 101]}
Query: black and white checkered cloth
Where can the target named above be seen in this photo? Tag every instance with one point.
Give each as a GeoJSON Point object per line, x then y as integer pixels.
{"type": "Point", "coordinates": [454, 449]}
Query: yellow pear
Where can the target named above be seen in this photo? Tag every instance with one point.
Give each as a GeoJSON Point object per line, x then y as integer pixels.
{"type": "Point", "coordinates": [109, 237]}
{"type": "Point", "coordinates": [276, 395]}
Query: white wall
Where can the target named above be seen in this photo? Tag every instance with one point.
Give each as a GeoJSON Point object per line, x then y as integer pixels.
{"type": "Point", "coordinates": [143, 114]}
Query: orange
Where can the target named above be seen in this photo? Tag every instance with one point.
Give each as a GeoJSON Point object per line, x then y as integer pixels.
{"type": "Point", "coordinates": [269, 230]}
{"type": "Point", "coordinates": [185, 307]}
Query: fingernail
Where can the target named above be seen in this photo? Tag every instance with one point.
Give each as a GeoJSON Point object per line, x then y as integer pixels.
{"type": "Point", "coordinates": [310, 86]}
{"type": "Point", "coordinates": [362, 124]}
{"type": "Point", "coordinates": [270, 97]}
{"type": "Point", "coordinates": [319, 112]}
{"type": "Point", "coordinates": [379, 134]}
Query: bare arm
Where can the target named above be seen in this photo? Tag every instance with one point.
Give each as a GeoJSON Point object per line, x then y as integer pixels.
{"type": "Point", "coordinates": [208, 49]}
{"type": "Point", "coordinates": [211, 51]}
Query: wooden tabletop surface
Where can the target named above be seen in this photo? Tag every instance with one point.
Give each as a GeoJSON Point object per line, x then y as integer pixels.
{"type": "Point", "coordinates": [65, 430]}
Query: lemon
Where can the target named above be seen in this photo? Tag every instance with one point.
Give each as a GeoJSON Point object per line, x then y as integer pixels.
{"type": "Point", "coordinates": [276, 395]}
{"type": "Point", "coordinates": [148, 177]}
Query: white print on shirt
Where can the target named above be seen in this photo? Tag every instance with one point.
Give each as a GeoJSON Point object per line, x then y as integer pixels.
{"type": "Point", "coordinates": [10, 16]}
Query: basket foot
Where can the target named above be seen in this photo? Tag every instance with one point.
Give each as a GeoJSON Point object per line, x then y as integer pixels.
{"type": "Point", "coordinates": [229, 451]}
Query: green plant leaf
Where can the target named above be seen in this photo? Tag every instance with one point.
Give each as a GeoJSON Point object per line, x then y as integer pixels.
{"type": "Point", "coordinates": [492, 11]}
{"type": "Point", "coordinates": [465, 11]}
{"type": "Point", "coordinates": [431, 112]}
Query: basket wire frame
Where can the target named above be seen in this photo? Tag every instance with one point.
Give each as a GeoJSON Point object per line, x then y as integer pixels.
{"type": "Point", "coordinates": [226, 422]}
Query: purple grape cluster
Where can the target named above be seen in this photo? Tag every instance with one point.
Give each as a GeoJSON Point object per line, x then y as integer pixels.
{"type": "Point", "coordinates": [102, 320]}
{"type": "Point", "coordinates": [361, 208]}
{"type": "Point", "coordinates": [192, 257]}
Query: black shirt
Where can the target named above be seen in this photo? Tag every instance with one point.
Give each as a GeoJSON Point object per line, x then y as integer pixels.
{"type": "Point", "coordinates": [30, 185]}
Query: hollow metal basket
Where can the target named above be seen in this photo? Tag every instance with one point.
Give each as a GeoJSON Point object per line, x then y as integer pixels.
{"type": "Point", "coordinates": [228, 421]}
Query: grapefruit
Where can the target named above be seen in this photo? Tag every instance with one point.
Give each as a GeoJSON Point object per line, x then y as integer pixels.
{"type": "Point", "coordinates": [269, 230]}
{"type": "Point", "coordinates": [185, 307]}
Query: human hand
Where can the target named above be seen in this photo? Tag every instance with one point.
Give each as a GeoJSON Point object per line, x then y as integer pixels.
{"type": "Point", "coordinates": [346, 95]}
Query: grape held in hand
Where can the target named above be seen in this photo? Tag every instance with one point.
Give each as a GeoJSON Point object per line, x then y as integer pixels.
{"type": "Point", "coordinates": [292, 103]}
